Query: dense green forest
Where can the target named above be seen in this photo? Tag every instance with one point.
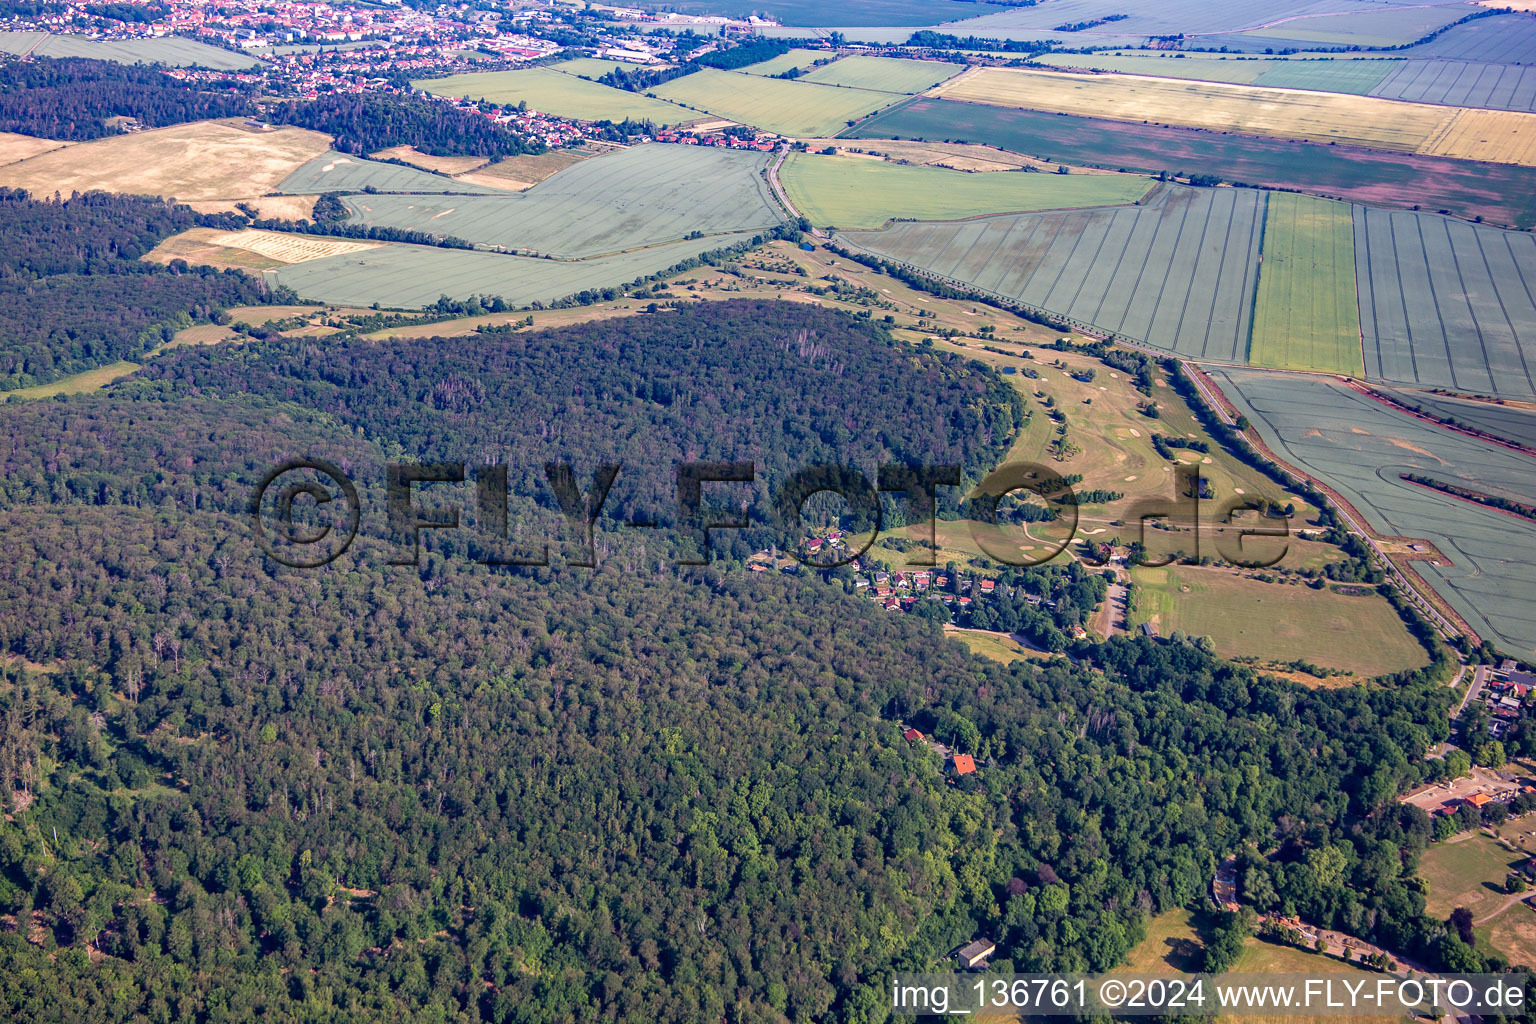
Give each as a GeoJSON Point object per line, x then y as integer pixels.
{"type": "Point", "coordinates": [72, 98]}
{"type": "Point", "coordinates": [369, 122]}
{"type": "Point", "coordinates": [74, 294]}
{"type": "Point", "coordinates": [638, 792]}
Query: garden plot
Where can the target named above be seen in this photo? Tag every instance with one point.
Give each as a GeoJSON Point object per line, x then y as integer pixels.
{"type": "Point", "coordinates": [1360, 447]}
{"type": "Point", "coordinates": [1176, 272]}
{"type": "Point", "coordinates": [644, 195]}
{"type": "Point", "coordinates": [1444, 303]}
{"type": "Point", "coordinates": [341, 172]}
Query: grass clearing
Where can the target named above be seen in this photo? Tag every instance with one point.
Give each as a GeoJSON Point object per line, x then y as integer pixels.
{"type": "Point", "coordinates": [1172, 946]}
{"type": "Point", "coordinates": [797, 109]}
{"type": "Point", "coordinates": [1467, 871]}
{"type": "Point", "coordinates": [1278, 622]}
{"type": "Point", "coordinates": [884, 74]}
{"type": "Point", "coordinates": [1306, 315]}
{"type": "Point", "coordinates": [201, 160]}
{"type": "Point", "coordinates": [1261, 957]}
{"type": "Point", "coordinates": [75, 384]}
{"type": "Point", "coordinates": [1498, 136]}
{"type": "Point", "coordinates": [553, 92]}
{"type": "Point", "coordinates": [855, 192]}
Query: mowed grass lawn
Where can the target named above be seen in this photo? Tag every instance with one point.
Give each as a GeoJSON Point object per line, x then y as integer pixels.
{"type": "Point", "coordinates": [552, 92]}
{"type": "Point", "coordinates": [1277, 621]}
{"type": "Point", "coordinates": [884, 74]}
{"type": "Point", "coordinates": [1306, 315]}
{"type": "Point", "coordinates": [1467, 873]}
{"type": "Point", "coordinates": [798, 109]}
{"type": "Point", "coordinates": [861, 192]}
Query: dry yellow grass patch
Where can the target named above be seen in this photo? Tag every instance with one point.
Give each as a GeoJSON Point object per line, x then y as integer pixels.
{"type": "Point", "coordinates": [203, 160]}
{"type": "Point", "coordinates": [525, 170]}
{"type": "Point", "coordinates": [1499, 136]}
{"type": "Point", "coordinates": [441, 164]}
{"type": "Point", "coordinates": [251, 249]}
{"type": "Point", "coordinates": [278, 207]}
{"type": "Point", "coordinates": [15, 147]}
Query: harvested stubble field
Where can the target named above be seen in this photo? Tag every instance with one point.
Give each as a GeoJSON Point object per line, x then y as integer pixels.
{"type": "Point", "coordinates": [412, 276]}
{"type": "Point", "coordinates": [251, 249]}
{"type": "Point", "coordinates": [202, 160]}
{"type": "Point", "coordinates": [644, 195]}
{"type": "Point", "coordinates": [1175, 272]}
{"type": "Point", "coordinates": [1305, 314]}
{"type": "Point", "coordinates": [1279, 622]}
{"type": "Point", "coordinates": [884, 74]}
{"type": "Point", "coordinates": [428, 162]}
{"type": "Point", "coordinates": [15, 147]}
{"type": "Point", "coordinates": [515, 173]}
{"type": "Point", "coordinates": [1360, 448]}
{"type": "Point", "coordinates": [552, 92]}
{"type": "Point", "coordinates": [861, 192]}
{"type": "Point", "coordinates": [338, 172]}
{"type": "Point", "coordinates": [1444, 303]}
{"type": "Point", "coordinates": [1499, 193]}
{"type": "Point", "coordinates": [797, 108]}
{"type": "Point", "coordinates": [1497, 136]}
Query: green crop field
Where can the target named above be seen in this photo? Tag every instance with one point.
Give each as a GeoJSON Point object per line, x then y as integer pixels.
{"type": "Point", "coordinates": [643, 195]}
{"type": "Point", "coordinates": [341, 172]}
{"type": "Point", "coordinates": [859, 192]}
{"type": "Point", "coordinates": [786, 61]}
{"type": "Point", "coordinates": [798, 109]}
{"type": "Point", "coordinates": [591, 67]}
{"type": "Point", "coordinates": [1277, 621]}
{"type": "Point", "coordinates": [551, 92]}
{"type": "Point", "coordinates": [1499, 193]}
{"type": "Point", "coordinates": [411, 276]}
{"type": "Point", "coordinates": [1361, 447]}
{"type": "Point", "coordinates": [1358, 77]}
{"type": "Point", "coordinates": [884, 74]}
{"type": "Point", "coordinates": [1305, 316]}
{"type": "Point", "coordinates": [1444, 303]}
{"type": "Point", "coordinates": [171, 51]}
{"type": "Point", "coordinates": [1175, 272]}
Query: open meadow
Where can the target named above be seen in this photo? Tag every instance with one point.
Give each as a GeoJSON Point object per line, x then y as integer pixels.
{"type": "Point", "coordinates": [1277, 622]}
{"type": "Point", "coordinates": [1175, 272]}
{"type": "Point", "coordinates": [884, 74]}
{"type": "Point", "coordinates": [1444, 303]}
{"type": "Point", "coordinates": [1305, 315]}
{"type": "Point", "coordinates": [552, 92]}
{"type": "Point", "coordinates": [426, 161]}
{"type": "Point", "coordinates": [1262, 957]}
{"type": "Point", "coordinates": [644, 195]}
{"type": "Point", "coordinates": [1499, 193]}
{"type": "Point", "coordinates": [859, 192]}
{"type": "Point", "coordinates": [1360, 448]}
{"type": "Point", "coordinates": [201, 160]}
{"type": "Point", "coordinates": [797, 108]}
{"type": "Point", "coordinates": [1252, 110]}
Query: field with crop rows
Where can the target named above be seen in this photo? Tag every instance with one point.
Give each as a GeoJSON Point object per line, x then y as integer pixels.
{"type": "Point", "coordinates": [406, 276]}
{"type": "Point", "coordinates": [1499, 193]}
{"type": "Point", "coordinates": [201, 160]}
{"type": "Point", "coordinates": [1505, 39]}
{"type": "Point", "coordinates": [843, 12]}
{"type": "Point", "coordinates": [284, 247]}
{"type": "Point", "coordinates": [1281, 113]}
{"type": "Point", "coordinates": [1359, 447]}
{"type": "Point", "coordinates": [1388, 27]}
{"type": "Point", "coordinates": [1500, 136]}
{"type": "Point", "coordinates": [785, 61]}
{"type": "Point", "coordinates": [1357, 77]}
{"type": "Point", "coordinates": [171, 51]}
{"type": "Point", "coordinates": [1461, 84]}
{"type": "Point", "coordinates": [1513, 423]}
{"type": "Point", "coordinates": [339, 172]}
{"type": "Point", "coordinates": [884, 74]}
{"type": "Point", "coordinates": [1305, 316]}
{"type": "Point", "coordinates": [1176, 272]}
{"type": "Point", "coordinates": [858, 192]}
{"type": "Point", "coordinates": [591, 67]}
{"type": "Point", "coordinates": [551, 92]}
{"type": "Point", "coordinates": [1444, 303]}
{"type": "Point", "coordinates": [1149, 17]}
{"type": "Point", "coordinates": [632, 197]}
{"type": "Point", "coordinates": [773, 104]}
